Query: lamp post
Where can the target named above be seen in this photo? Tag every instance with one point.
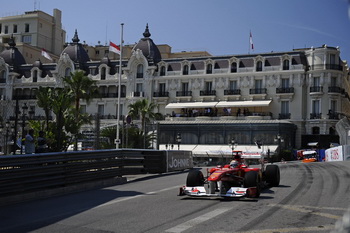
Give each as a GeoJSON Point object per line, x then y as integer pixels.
{"type": "Point", "coordinates": [178, 140]}
{"type": "Point", "coordinates": [5, 130]}
{"type": "Point", "coordinates": [279, 139]}
{"type": "Point", "coordinates": [24, 109]}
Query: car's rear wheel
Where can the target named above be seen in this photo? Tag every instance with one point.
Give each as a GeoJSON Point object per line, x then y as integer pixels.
{"type": "Point", "coordinates": [195, 178]}
{"type": "Point", "coordinates": [272, 174]}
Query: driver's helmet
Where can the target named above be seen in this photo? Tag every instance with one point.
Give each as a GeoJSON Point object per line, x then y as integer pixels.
{"type": "Point", "coordinates": [234, 163]}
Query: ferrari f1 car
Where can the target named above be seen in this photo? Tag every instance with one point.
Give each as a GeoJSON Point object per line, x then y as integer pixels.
{"type": "Point", "coordinates": [237, 179]}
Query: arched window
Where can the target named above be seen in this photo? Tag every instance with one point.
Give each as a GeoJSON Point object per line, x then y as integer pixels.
{"type": "Point", "coordinates": [185, 70]}
{"type": "Point", "coordinates": [209, 69]}
{"type": "Point", "coordinates": [139, 71]}
{"type": "Point", "coordinates": [103, 73]}
{"type": "Point", "coordinates": [285, 64]}
{"type": "Point", "coordinates": [67, 72]}
{"type": "Point", "coordinates": [234, 67]}
{"type": "Point", "coordinates": [2, 76]}
{"type": "Point", "coordinates": [259, 66]}
{"type": "Point", "coordinates": [35, 76]}
{"type": "Point", "coordinates": [162, 71]}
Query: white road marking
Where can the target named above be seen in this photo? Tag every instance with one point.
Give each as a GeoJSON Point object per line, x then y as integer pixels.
{"type": "Point", "coordinates": [196, 221]}
{"type": "Point", "coordinates": [133, 197]}
{"type": "Point", "coordinates": [296, 229]}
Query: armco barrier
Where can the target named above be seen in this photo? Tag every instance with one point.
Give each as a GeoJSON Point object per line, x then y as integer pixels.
{"type": "Point", "coordinates": [339, 153]}
{"type": "Point", "coordinates": [37, 172]}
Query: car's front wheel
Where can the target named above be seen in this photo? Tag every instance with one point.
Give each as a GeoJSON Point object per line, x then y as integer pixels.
{"type": "Point", "coordinates": [195, 178]}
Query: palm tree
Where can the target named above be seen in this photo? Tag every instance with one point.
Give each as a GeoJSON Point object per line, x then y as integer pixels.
{"type": "Point", "coordinates": [44, 97]}
{"type": "Point", "coordinates": [80, 87]}
{"type": "Point", "coordinates": [143, 110]}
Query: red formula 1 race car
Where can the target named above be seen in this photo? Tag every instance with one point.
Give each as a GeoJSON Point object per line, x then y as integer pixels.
{"type": "Point", "coordinates": [240, 178]}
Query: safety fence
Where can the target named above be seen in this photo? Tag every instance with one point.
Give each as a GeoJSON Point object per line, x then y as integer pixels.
{"type": "Point", "coordinates": [30, 173]}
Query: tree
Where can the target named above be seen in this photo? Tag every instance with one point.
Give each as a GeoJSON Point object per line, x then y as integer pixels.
{"type": "Point", "coordinates": [44, 97]}
{"type": "Point", "coordinates": [80, 87]}
{"type": "Point", "coordinates": [143, 110]}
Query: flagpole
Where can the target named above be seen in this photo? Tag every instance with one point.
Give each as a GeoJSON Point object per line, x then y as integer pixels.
{"type": "Point", "coordinates": [117, 141]}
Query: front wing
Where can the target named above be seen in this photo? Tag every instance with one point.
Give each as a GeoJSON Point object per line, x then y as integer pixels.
{"type": "Point", "coordinates": [200, 191]}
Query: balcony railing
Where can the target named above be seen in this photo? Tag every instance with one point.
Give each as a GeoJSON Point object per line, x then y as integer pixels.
{"type": "Point", "coordinates": [316, 89]}
{"type": "Point", "coordinates": [284, 116]}
{"type": "Point", "coordinates": [258, 91]}
{"type": "Point", "coordinates": [183, 93]}
{"type": "Point", "coordinates": [334, 89]}
{"type": "Point", "coordinates": [232, 92]}
{"type": "Point", "coordinates": [24, 97]}
{"type": "Point", "coordinates": [112, 95]}
{"type": "Point", "coordinates": [207, 93]}
{"type": "Point", "coordinates": [161, 94]}
{"type": "Point", "coordinates": [285, 90]}
{"type": "Point", "coordinates": [327, 66]}
{"type": "Point", "coordinates": [315, 115]}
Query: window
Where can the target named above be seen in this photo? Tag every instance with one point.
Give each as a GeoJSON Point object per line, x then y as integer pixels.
{"type": "Point", "coordinates": [285, 82]}
{"type": "Point", "coordinates": [209, 68]}
{"type": "Point", "coordinates": [333, 106]}
{"type": "Point", "coordinates": [233, 85]}
{"type": "Point", "coordinates": [284, 107]}
{"type": "Point", "coordinates": [316, 106]}
{"type": "Point", "coordinates": [333, 81]}
{"type": "Point", "coordinates": [162, 71]}
{"type": "Point", "coordinates": [0, 28]}
{"type": "Point", "coordinates": [234, 67]}
{"type": "Point", "coordinates": [6, 29]}
{"type": "Point", "coordinates": [35, 76]}
{"type": "Point", "coordinates": [184, 87]}
{"type": "Point", "coordinates": [101, 109]}
{"type": "Point", "coordinates": [316, 81]}
{"type": "Point", "coordinates": [26, 27]}
{"type": "Point", "coordinates": [259, 66]}
{"type": "Point", "coordinates": [67, 72]}
{"type": "Point", "coordinates": [103, 73]}
{"type": "Point", "coordinates": [185, 70]}
{"type": "Point", "coordinates": [316, 130]}
{"type": "Point", "coordinates": [258, 84]}
{"type": "Point", "coordinates": [161, 87]}
{"type": "Point", "coordinates": [27, 39]}
{"type": "Point", "coordinates": [285, 64]}
{"type": "Point", "coordinates": [332, 59]}
{"type": "Point", "coordinates": [15, 28]}
{"type": "Point", "coordinates": [139, 87]}
{"type": "Point", "coordinates": [208, 86]}
{"type": "Point", "coordinates": [139, 71]}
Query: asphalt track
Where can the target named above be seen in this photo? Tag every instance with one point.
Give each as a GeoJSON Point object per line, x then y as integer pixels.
{"type": "Point", "coordinates": [311, 198]}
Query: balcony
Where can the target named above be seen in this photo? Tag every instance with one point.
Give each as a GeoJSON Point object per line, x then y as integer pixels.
{"type": "Point", "coordinates": [183, 93]}
{"type": "Point", "coordinates": [327, 67]}
{"type": "Point", "coordinates": [24, 97]}
{"type": "Point", "coordinates": [207, 93]}
{"type": "Point", "coordinates": [232, 92]}
{"type": "Point", "coordinates": [161, 94]}
{"type": "Point", "coordinates": [285, 90]}
{"type": "Point", "coordinates": [335, 90]}
{"type": "Point", "coordinates": [316, 89]}
{"type": "Point", "coordinates": [112, 95]}
{"type": "Point", "coordinates": [315, 115]}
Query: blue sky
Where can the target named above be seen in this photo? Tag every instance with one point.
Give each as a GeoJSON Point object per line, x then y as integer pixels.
{"type": "Point", "coordinates": [220, 27]}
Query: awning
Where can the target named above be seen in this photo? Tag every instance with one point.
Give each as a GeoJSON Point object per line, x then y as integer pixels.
{"type": "Point", "coordinates": [249, 103]}
{"type": "Point", "coordinates": [192, 105]}
{"type": "Point", "coordinates": [221, 104]}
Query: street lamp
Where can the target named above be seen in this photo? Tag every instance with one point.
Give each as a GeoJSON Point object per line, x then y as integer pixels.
{"type": "Point", "coordinates": [5, 130]}
{"type": "Point", "coordinates": [24, 109]}
{"type": "Point", "coordinates": [178, 140]}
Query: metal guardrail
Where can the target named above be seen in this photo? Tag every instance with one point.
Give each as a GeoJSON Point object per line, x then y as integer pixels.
{"type": "Point", "coordinates": [30, 173]}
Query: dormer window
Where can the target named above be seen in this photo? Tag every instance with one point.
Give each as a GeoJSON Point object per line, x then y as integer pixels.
{"type": "Point", "coordinates": [162, 71]}
{"type": "Point", "coordinates": [234, 67]}
{"type": "Point", "coordinates": [185, 70]}
{"type": "Point", "coordinates": [285, 64]}
{"type": "Point", "coordinates": [259, 66]}
{"type": "Point", "coordinates": [103, 73]}
{"type": "Point", "coordinates": [139, 71]}
{"type": "Point", "coordinates": [209, 69]}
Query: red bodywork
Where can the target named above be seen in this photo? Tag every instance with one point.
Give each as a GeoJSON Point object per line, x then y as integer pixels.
{"type": "Point", "coordinates": [228, 173]}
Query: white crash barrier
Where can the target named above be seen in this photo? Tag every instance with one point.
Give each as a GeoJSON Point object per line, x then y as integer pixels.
{"type": "Point", "coordinates": [334, 154]}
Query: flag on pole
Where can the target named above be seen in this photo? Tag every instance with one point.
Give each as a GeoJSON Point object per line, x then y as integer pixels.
{"type": "Point", "coordinates": [251, 41]}
{"type": "Point", "coordinates": [46, 54]}
{"type": "Point", "coordinates": [114, 48]}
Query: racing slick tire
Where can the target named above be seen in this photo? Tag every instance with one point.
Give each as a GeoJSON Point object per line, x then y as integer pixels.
{"type": "Point", "coordinates": [195, 178]}
{"type": "Point", "coordinates": [272, 174]}
{"type": "Point", "coordinates": [251, 179]}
